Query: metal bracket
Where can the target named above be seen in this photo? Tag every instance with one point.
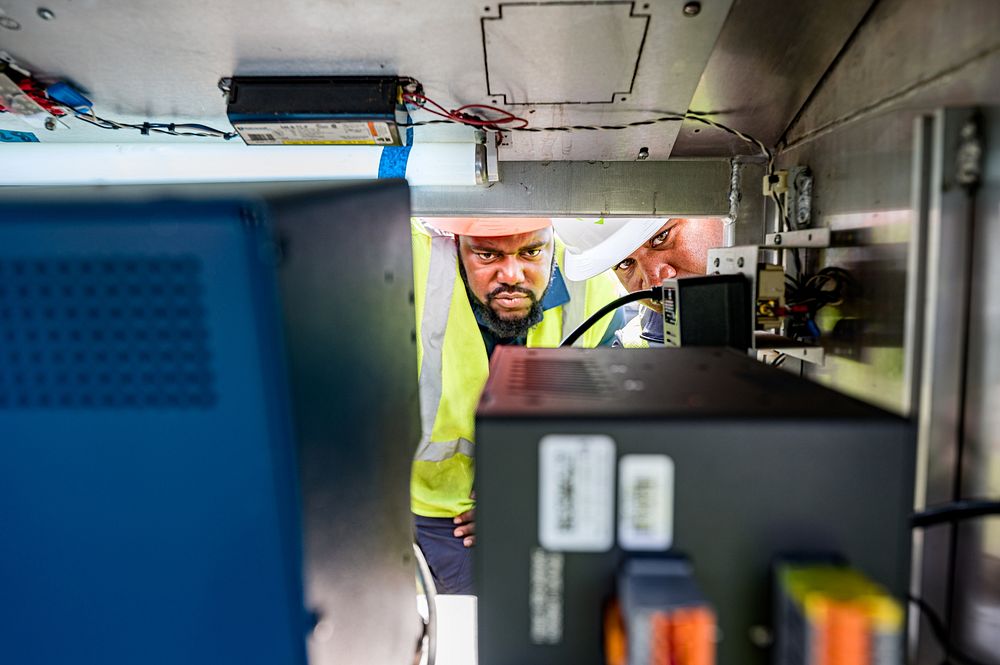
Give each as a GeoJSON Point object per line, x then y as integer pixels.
{"type": "Point", "coordinates": [793, 239]}
{"type": "Point", "coordinates": [799, 197]}
{"type": "Point", "coordinates": [492, 158]}
{"type": "Point", "coordinates": [768, 342]}
{"type": "Point", "coordinates": [969, 160]}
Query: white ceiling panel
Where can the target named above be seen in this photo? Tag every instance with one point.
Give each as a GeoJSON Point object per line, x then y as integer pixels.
{"type": "Point", "coordinates": [606, 62]}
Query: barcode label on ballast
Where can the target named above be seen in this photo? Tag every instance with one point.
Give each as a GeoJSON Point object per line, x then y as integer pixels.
{"type": "Point", "coordinates": [318, 132]}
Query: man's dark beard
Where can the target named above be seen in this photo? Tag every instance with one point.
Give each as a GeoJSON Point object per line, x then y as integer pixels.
{"type": "Point", "coordinates": [506, 328]}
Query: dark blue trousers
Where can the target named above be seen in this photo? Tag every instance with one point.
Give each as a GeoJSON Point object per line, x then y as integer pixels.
{"type": "Point", "coordinates": [449, 560]}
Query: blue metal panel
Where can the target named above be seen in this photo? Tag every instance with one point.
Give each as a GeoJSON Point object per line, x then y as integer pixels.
{"type": "Point", "coordinates": [148, 496]}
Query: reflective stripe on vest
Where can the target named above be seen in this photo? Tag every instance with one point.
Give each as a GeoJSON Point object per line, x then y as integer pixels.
{"type": "Point", "coordinates": [439, 451]}
{"type": "Point", "coordinates": [433, 325]}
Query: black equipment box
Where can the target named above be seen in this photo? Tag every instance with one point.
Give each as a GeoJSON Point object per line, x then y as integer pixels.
{"type": "Point", "coordinates": [315, 110]}
{"type": "Point", "coordinates": [713, 310]}
{"type": "Point", "coordinates": [586, 455]}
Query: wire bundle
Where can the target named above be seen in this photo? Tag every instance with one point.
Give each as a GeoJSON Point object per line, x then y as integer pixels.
{"type": "Point", "coordinates": [145, 128]}
{"type": "Point", "coordinates": [465, 115]}
{"type": "Point", "coordinates": [805, 299]}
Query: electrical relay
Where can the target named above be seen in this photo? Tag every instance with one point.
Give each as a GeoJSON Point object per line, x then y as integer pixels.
{"type": "Point", "coordinates": [317, 110]}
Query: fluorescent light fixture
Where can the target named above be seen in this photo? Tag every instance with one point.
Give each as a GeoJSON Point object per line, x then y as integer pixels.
{"type": "Point", "coordinates": [427, 164]}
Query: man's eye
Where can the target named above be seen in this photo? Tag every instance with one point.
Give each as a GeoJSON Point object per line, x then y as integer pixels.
{"type": "Point", "coordinates": [531, 253]}
{"type": "Point", "coordinates": [624, 265]}
{"type": "Point", "coordinates": [660, 238]}
{"type": "Point", "coordinates": [486, 256]}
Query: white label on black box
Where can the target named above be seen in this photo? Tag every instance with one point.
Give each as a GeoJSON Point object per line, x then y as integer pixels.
{"type": "Point", "coordinates": [576, 490]}
{"type": "Point", "coordinates": [546, 597]}
{"type": "Point", "coordinates": [645, 502]}
{"type": "Point", "coordinates": [316, 133]}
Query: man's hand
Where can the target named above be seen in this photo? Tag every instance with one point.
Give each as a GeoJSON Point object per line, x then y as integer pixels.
{"type": "Point", "coordinates": [466, 527]}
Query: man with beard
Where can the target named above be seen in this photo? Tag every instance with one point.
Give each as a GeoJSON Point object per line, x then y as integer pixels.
{"type": "Point", "coordinates": [642, 253]}
{"type": "Point", "coordinates": [479, 283]}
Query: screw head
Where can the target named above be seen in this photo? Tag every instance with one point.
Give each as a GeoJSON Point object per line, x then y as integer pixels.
{"type": "Point", "coordinates": [761, 636]}
{"type": "Point", "coordinates": [739, 262]}
{"type": "Point", "coordinates": [692, 9]}
{"type": "Point", "coordinates": [716, 262]}
{"type": "Point", "coordinates": [46, 14]}
{"type": "Point", "coordinates": [9, 23]}
{"type": "Point", "coordinates": [50, 124]}
{"type": "Point", "coordinates": [643, 153]}
{"type": "Point", "coordinates": [777, 239]}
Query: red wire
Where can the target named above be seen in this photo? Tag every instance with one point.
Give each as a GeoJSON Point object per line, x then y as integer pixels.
{"type": "Point", "coordinates": [459, 115]}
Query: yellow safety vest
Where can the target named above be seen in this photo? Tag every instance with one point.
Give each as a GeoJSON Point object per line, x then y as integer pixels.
{"type": "Point", "coordinates": [453, 366]}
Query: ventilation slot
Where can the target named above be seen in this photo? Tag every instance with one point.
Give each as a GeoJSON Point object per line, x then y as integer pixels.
{"type": "Point", "coordinates": [104, 333]}
{"type": "Point", "coordinates": [567, 377]}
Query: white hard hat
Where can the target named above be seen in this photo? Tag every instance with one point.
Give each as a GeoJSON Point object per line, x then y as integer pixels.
{"type": "Point", "coordinates": [598, 244]}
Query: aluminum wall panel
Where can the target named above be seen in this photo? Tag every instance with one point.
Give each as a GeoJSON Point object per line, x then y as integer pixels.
{"type": "Point", "coordinates": [909, 53]}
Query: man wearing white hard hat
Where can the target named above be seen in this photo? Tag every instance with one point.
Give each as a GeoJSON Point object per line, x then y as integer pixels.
{"type": "Point", "coordinates": [479, 283]}
{"type": "Point", "coordinates": [642, 253]}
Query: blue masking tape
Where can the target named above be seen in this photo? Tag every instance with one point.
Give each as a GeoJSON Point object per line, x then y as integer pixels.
{"type": "Point", "coordinates": [8, 136]}
{"type": "Point", "coordinates": [392, 163]}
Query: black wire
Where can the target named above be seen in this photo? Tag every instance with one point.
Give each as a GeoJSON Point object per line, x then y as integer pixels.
{"type": "Point", "coordinates": [655, 292]}
{"type": "Point", "coordinates": [941, 634]}
{"type": "Point", "coordinates": [954, 512]}
{"type": "Point", "coordinates": [667, 117]}
{"type": "Point", "coordinates": [563, 128]}
{"type": "Point", "coordinates": [171, 129]}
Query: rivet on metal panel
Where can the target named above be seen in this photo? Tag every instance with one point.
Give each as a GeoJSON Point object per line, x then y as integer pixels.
{"type": "Point", "coordinates": [46, 14]}
{"type": "Point", "coordinates": [716, 262]}
{"type": "Point", "coordinates": [50, 124]}
{"type": "Point", "coordinates": [777, 239]}
{"type": "Point", "coordinates": [739, 262]}
{"type": "Point", "coordinates": [692, 9]}
{"type": "Point", "coordinates": [643, 153]}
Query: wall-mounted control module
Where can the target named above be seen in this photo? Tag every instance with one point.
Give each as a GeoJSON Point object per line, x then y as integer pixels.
{"type": "Point", "coordinates": [316, 110]}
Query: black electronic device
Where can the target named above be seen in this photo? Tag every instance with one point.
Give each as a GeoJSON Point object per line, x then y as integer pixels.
{"type": "Point", "coordinates": [709, 310]}
{"type": "Point", "coordinates": [315, 110]}
{"type": "Point", "coordinates": [586, 456]}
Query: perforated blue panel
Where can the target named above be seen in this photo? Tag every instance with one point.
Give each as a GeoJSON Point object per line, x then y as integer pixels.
{"type": "Point", "coordinates": [148, 502]}
{"type": "Point", "coordinates": [104, 331]}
